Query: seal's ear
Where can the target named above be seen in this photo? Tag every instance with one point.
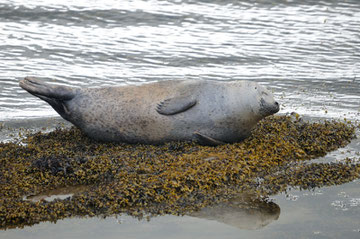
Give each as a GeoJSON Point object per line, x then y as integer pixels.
{"type": "Point", "coordinates": [175, 105]}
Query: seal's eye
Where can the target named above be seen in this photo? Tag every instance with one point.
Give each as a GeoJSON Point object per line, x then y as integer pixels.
{"type": "Point", "coordinates": [255, 88]}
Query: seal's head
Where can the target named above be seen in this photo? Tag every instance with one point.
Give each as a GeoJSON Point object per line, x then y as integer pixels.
{"type": "Point", "coordinates": [261, 100]}
{"type": "Point", "coordinates": [268, 105]}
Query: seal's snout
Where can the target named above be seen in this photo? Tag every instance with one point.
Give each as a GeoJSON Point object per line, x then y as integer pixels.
{"type": "Point", "coordinates": [277, 107]}
{"type": "Point", "coordinates": [268, 108]}
{"type": "Point", "coordinates": [273, 108]}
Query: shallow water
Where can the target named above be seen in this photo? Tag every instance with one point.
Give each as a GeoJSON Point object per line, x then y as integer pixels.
{"type": "Point", "coordinates": [326, 213]}
{"type": "Point", "coordinates": [307, 52]}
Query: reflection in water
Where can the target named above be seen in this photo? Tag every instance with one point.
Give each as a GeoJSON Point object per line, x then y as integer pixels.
{"type": "Point", "coordinates": [59, 193]}
{"type": "Point", "coordinates": [241, 212]}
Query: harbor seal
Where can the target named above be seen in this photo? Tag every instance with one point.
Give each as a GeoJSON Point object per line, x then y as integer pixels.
{"type": "Point", "coordinates": [209, 112]}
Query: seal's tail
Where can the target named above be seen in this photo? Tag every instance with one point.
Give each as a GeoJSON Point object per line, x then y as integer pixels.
{"type": "Point", "coordinates": [41, 89]}
{"type": "Point", "coordinates": [55, 95]}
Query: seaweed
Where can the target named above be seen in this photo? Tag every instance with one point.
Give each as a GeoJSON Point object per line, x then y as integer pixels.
{"type": "Point", "coordinates": [174, 178]}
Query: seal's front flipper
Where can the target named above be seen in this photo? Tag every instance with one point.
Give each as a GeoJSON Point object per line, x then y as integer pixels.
{"type": "Point", "coordinates": [55, 95]}
{"type": "Point", "coordinates": [176, 105]}
{"type": "Point", "coordinates": [206, 140]}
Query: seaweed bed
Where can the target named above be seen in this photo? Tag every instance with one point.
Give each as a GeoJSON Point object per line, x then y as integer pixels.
{"type": "Point", "coordinates": [174, 178]}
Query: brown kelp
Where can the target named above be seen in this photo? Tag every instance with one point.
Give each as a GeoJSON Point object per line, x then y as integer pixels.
{"type": "Point", "coordinates": [174, 178]}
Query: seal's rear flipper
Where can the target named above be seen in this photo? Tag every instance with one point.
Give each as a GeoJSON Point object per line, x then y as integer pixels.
{"type": "Point", "coordinates": [55, 95]}
{"type": "Point", "coordinates": [206, 140]}
{"type": "Point", "coordinates": [38, 88]}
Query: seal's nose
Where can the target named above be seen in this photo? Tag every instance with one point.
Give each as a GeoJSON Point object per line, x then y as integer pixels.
{"type": "Point", "coordinates": [277, 107]}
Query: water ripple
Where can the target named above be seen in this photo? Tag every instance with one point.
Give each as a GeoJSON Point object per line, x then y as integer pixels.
{"type": "Point", "coordinates": [307, 53]}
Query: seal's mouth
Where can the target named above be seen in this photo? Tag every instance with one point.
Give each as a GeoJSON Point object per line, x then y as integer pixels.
{"type": "Point", "coordinates": [267, 109]}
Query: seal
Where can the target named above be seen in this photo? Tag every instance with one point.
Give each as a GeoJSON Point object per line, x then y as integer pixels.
{"type": "Point", "coordinates": [209, 112]}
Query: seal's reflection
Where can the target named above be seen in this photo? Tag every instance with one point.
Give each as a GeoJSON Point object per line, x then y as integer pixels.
{"type": "Point", "coordinates": [242, 212]}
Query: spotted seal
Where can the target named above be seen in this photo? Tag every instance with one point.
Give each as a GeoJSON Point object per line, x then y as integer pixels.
{"type": "Point", "coordinates": [209, 112]}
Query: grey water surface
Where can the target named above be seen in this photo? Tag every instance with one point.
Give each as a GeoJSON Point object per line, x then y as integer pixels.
{"type": "Point", "coordinates": [306, 52]}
